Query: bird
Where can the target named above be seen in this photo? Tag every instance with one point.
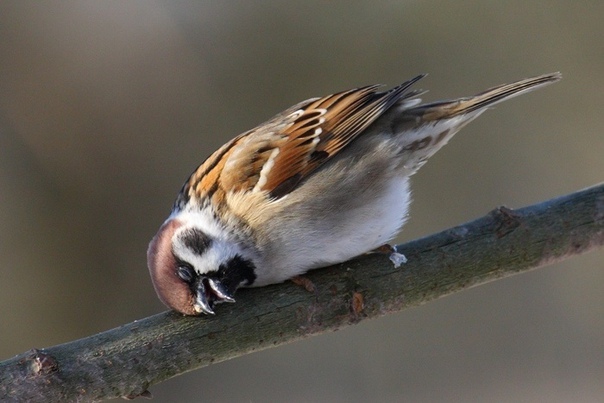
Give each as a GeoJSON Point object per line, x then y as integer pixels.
{"type": "Point", "coordinates": [318, 184]}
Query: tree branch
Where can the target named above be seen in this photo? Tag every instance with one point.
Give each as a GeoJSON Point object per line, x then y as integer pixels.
{"type": "Point", "coordinates": [127, 360]}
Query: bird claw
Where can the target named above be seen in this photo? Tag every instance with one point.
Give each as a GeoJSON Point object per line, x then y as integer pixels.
{"type": "Point", "coordinates": [303, 282]}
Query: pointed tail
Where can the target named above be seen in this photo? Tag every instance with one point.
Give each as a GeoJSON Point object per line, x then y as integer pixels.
{"type": "Point", "coordinates": [461, 106]}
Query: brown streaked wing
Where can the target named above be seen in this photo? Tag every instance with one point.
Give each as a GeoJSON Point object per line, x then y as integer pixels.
{"type": "Point", "coordinates": [324, 128]}
{"type": "Point", "coordinates": [276, 156]}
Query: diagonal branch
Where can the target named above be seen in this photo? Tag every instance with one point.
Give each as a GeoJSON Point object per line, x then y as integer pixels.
{"type": "Point", "coordinates": [127, 360]}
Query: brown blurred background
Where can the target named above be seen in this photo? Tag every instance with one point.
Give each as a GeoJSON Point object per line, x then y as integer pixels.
{"type": "Point", "coordinates": [106, 107]}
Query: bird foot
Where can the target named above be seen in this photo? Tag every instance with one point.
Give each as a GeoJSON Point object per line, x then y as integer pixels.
{"type": "Point", "coordinates": [303, 282]}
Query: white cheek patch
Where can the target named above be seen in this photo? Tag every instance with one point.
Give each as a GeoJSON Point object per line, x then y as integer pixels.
{"type": "Point", "coordinates": [217, 254]}
{"type": "Point", "coordinates": [202, 219]}
{"type": "Point", "coordinates": [219, 251]}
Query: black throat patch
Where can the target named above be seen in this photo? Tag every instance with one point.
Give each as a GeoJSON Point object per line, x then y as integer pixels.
{"type": "Point", "coordinates": [237, 272]}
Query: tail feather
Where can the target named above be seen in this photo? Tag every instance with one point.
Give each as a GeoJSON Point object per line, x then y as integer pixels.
{"type": "Point", "coordinates": [424, 129]}
{"type": "Point", "coordinates": [448, 109]}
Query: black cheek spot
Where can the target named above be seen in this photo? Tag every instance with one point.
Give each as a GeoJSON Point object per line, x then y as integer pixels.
{"type": "Point", "coordinates": [196, 240]}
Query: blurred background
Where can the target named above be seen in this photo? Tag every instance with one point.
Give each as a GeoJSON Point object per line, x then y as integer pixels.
{"type": "Point", "coordinates": [106, 107]}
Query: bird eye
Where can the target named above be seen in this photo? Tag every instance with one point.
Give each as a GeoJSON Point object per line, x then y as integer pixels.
{"type": "Point", "coordinates": [185, 273]}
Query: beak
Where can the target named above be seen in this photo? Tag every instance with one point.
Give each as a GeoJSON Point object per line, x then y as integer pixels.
{"type": "Point", "coordinates": [220, 291]}
{"type": "Point", "coordinates": [202, 304]}
{"type": "Point", "coordinates": [208, 292]}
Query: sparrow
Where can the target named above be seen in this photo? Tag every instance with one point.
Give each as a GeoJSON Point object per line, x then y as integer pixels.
{"type": "Point", "coordinates": [318, 184]}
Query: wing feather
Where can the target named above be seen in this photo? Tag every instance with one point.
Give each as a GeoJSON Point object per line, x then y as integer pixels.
{"type": "Point", "coordinates": [278, 155]}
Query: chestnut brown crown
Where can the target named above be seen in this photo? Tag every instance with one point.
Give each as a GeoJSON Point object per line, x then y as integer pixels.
{"type": "Point", "coordinates": [163, 267]}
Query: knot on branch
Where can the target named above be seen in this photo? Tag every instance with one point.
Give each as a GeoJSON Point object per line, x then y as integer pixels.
{"type": "Point", "coordinates": [42, 363]}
